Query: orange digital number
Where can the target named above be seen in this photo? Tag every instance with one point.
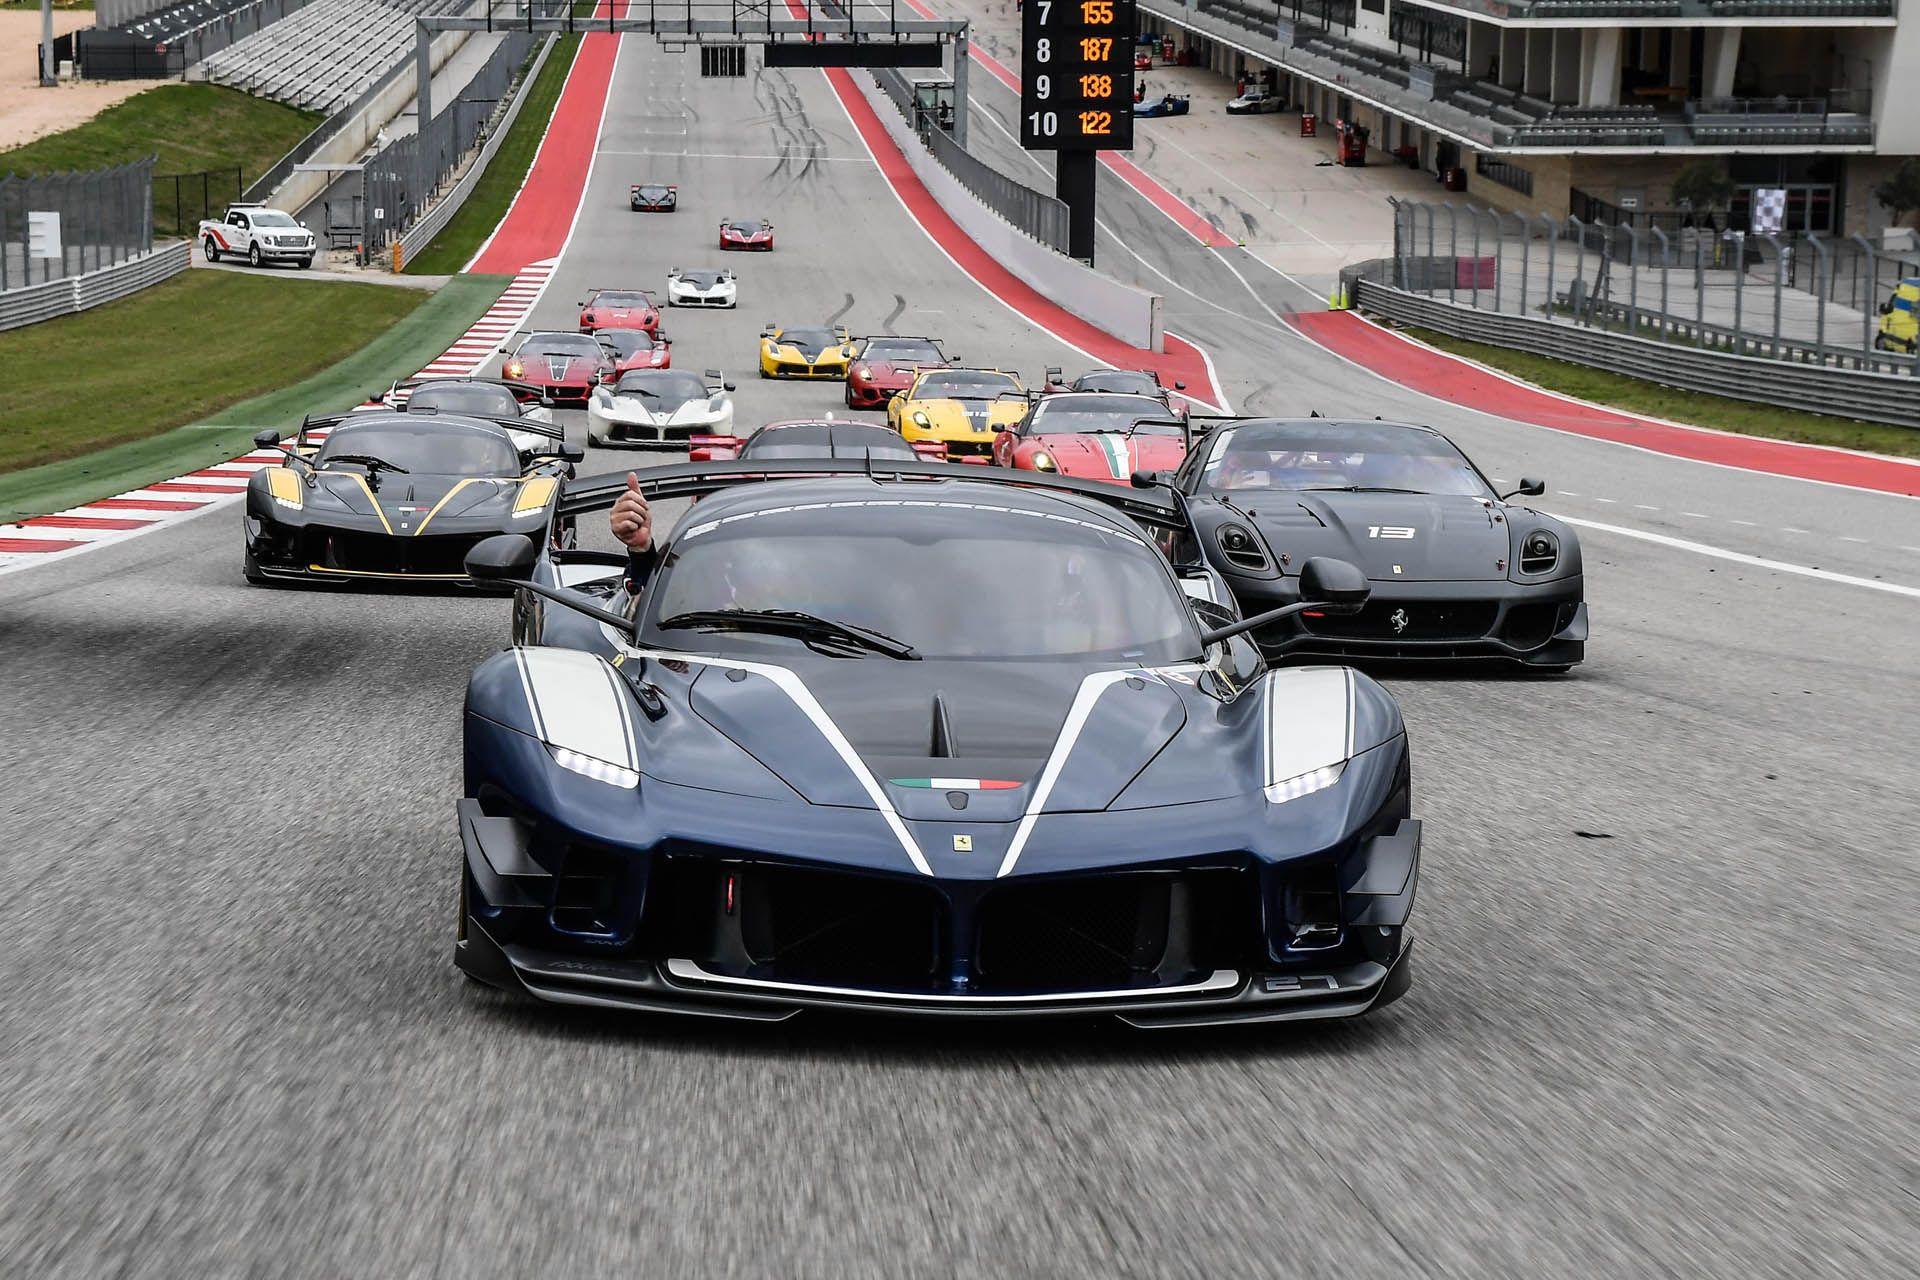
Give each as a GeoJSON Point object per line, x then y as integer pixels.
{"type": "Point", "coordinates": [1096, 123]}
{"type": "Point", "coordinates": [1096, 13]}
{"type": "Point", "coordinates": [1096, 86]}
{"type": "Point", "coordinates": [1096, 48]}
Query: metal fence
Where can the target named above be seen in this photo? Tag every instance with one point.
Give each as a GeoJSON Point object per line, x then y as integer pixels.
{"type": "Point", "coordinates": [1807, 298]}
{"type": "Point", "coordinates": [181, 200]}
{"type": "Point", "coordinates": [105, 216]}
{"type": "Point", "coordinates": [1034, 212]}
{"type": "Point", "coordinates": [405, 176]}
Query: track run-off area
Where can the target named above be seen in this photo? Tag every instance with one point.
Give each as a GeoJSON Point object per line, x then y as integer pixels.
{"type": "Point", "coordinates": [1664, 1022]}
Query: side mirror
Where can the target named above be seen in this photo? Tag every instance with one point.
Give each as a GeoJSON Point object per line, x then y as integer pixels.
{"type": "Point", "coordinates": [546, 401]}
{"type": "Point", "coordinates": [266, 439]}
{"type": "Point", "coordinates": [1337, 585]}
{"type": "Point", "coordinates": [572, 453]}
{"type": "Point", "coordinates": [1151, 479]}
{"type": "Point", "coordinates": [505, 557]}
{"type": "Point", "coordinates": [1179, 385]}
{"type": "Point", "coordinates": [726, 386]}
{"type": "Point", "coordinates": [1529, 488]}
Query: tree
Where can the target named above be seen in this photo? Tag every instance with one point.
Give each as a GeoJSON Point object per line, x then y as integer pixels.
{"type": "Point", "coordinates": [1703, 185]}
{"type": "Point", "coordinates": [1900, 194]}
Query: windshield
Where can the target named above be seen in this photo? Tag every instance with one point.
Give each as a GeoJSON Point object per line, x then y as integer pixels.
{"type": "Point", "coordinates": [810, 341]}
{"type": "Point", "coordinates": [1131, 381]}
{"type": "Point", "coordinates": [273, 218]}
{"type": "Point", "coordinates": [661, 389]}
{"type": "Point", "coordinates": [1071, 414]}
{"type": "Point", "coordinates": [620, 301]}
{"type": "Point", "coordinates": [573, 345]}
{"type": "Point", "coordinates": [465, 397]}
{"type": "Point", "coordinates": [903, 351]}
{"type": "Point", "coordinates": [700, 279]}
{"type": "Point", "coordinates": [934, 575]}
{"type": "Point", "coordinates": [447, 452]}
{"type": "Point", "coordinates": [625, 342]}
{"type": "Point", "coordinates": [965, 384]}
{"type": "Point", "coordinates": [1369, 455]}
{"type": "Point", "coordinates": [747, 226]}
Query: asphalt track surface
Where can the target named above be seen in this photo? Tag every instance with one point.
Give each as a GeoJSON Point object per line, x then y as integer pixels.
{"type": "Point", "coordinates": [1664, 1021]}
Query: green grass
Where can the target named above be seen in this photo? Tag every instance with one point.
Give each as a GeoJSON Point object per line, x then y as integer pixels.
{"type": "Point", "coordinates": [190, 127]}
{"type": "Point", "coordinates": [176, 353]}
{"type": "Point", "coordinates": [494, 192]}
{"type": "Point", "coordinates": [1638, 396]}
{"type": "Point", "coordinates": [395, 352]}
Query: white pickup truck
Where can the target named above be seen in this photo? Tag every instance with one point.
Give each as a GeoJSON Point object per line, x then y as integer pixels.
{"type": "Point", "coordinates": [258, 234]}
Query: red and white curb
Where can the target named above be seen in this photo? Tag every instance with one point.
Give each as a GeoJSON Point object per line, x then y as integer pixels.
{"type": "Point", "coordinates": [41, 539]}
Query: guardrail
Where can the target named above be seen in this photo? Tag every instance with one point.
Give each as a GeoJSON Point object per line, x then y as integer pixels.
{"type": "Point", "coordinates": [434, 221]}
{"type": "Point", "coordinates": [77, 293]}
{"type": "Point", "coordinates": [1810, 388]}
{"type": "Point", "coordinates": [1039, 215]}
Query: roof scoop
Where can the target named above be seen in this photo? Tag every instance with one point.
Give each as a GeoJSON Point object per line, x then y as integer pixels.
{"type": "Point", "coordinates": [942, 746]}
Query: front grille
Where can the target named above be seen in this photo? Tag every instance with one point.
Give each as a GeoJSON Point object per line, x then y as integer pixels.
{"type": "Point", "coordinates": [805, 925]}
{"type": "Point", "coordinates": [560, 391]}
{"type": "Point", "coordinates": [358, 552]}
{"type": "Point", "coordinates": [1408, 620]}
{"type": "Point", "coordinates": [970, 448]}
{"type": "Point", "coordinates": [1531, 625]}
{"type": "Point", "coordinates": [1130, 929]}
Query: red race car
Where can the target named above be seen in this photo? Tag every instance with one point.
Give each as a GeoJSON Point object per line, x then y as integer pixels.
{"type": "Point", "coordinates": [885, 364]}
{"type": "Point", "coordinates": [566, 367]}
{"type": "Point", "coordinates": [815, 438]}
{"type": "Point", "coordinates": [1132, 382]}
{"type": "Point", "coordinates": [636, 349]}
{"type": "Point", "coordinates": [746, 233]}
{"type": "Point", "coordinates": [1094, 436]}
{"type": "Point", "coordinates": [619, 309]}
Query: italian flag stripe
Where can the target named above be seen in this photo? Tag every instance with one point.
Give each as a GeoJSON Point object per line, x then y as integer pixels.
{"type": "Point", "coordinates": [956, 784]}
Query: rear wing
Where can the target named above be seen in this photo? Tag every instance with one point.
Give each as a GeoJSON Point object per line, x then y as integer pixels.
{"type": "Point", "coordinates": [545, 430]}
{"type": "Point", "coordinates": [524, 392]}
{"type": "Point", "coordinates": [1156, 507]}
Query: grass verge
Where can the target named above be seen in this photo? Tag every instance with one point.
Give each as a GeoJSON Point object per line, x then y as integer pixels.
{"type": "Point", "coordinates": [1651, 398]}
{"type": "Point", "coordinates": [496, 188]}
{"type": "Point", "coordinates": [335, 342]}
{"type": "Point", "coordinates": [190, 127]}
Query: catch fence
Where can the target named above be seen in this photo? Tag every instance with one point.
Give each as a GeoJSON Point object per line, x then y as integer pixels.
{"type": "Point", "coordinates": [99, 218]}
{"type": "Point", "coordinates": [1806, 298]}
{"type": "Point", "coordinates": [181, 200]}
{"type": "Point", "coordinates": [408, 174]}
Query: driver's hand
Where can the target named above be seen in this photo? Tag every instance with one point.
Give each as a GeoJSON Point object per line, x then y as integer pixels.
{"type": "Point", "coordinates": [632, 520]}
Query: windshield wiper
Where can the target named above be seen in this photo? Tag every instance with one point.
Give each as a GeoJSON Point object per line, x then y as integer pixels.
{"type": "Point", "coordinates": [368, 461]}
{"type": "Point", "coordinates": [791, 622]}
{"type": "Point", "coordinates": [1354, 488]}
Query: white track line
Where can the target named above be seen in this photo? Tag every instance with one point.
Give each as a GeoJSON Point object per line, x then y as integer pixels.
{"type": "Point", "coordinates": [1741, 557]}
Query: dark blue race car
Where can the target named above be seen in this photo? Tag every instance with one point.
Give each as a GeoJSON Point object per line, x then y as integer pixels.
{"type": "Point", "coordinates": [920, 738]}
{"type": "Point", "coordinates": [1165, 104]}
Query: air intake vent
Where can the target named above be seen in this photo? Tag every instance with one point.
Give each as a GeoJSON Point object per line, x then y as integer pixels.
{"type": "Point", "coordinates": [1241, 546]}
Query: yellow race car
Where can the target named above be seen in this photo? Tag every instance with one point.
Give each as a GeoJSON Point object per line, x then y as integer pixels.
{"type": "Point", "coordinates": [817, 352]}
{"type": "Point", "coordinates": [960, 408]}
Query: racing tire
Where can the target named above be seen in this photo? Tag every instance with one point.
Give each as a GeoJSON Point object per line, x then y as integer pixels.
{"type": "Point", "coordinates": [210, 249]}
{"type": "Point", "coordinates": [253, 255]}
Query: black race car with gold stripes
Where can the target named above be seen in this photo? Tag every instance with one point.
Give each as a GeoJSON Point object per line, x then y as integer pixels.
{"type": "Point", "coordinates": [390, 495]}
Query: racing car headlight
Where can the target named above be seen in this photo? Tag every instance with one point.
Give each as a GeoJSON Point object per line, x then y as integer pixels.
{"type": "Point", "coordinates": [920, 419]}
{"type": "Point", "coordinates": [285, 487]}
{"type": "Point", "coordinates": [1305, 784]}
{"type": "Point", "coordinates": [613, 775]}
{"type": "Point", "coordinates": [1043, 461]}
{"type": "Point", "coordinates": [1539, 552]}
{"type": "Point", "coordinates": [515, 369]}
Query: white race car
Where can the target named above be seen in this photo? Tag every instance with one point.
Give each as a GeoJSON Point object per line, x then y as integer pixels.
{"type": "Point", "coordinates": [701, 287]}
{"type": "Point", "coordinates": [659, 408]}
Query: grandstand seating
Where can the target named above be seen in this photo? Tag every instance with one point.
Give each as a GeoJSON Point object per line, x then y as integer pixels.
{"type": "Point", "coordinates": [328, 53]}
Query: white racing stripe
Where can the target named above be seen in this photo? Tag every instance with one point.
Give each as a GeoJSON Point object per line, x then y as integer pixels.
{"type": "Point", "coordinates": [1309, 720]}
{"type": "Point", "coordinates": [577, 703]}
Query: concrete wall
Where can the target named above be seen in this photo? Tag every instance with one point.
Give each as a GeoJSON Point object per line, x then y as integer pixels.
{"type": "Point", "coordinates": [1129, 314]}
